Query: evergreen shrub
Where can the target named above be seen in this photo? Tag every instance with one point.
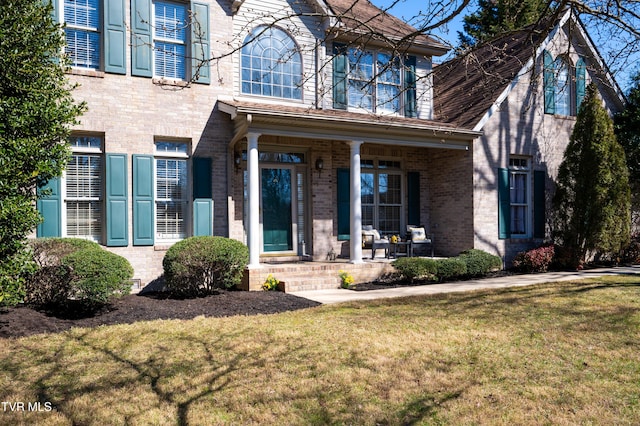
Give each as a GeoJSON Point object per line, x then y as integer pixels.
{"type": "Point", "coordinates": [480, 263]}
{"type": "Point", "coordinates": [451, 268]}
{"type": "Point", "coordinates": [196, 266]}
{"type": "Point", "coordinates": [416, 268]}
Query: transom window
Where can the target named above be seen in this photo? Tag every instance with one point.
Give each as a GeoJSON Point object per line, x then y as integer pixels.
{"type": "Point", "coordinates": [374, 81]}
{"type": "Point", "coordinates": [271, 64]}
{"type": "Point", "coordinates": [170, 39]}
{"type": "Point", "coordinates": [82, 18]}
{"type": "Point", "coordinates": [171, 190]}
{"type": "Point", "coordinates": [381, 195]}
{"type": "Point", "coordinates": [519, 195]}
{"type": "Point", "coordinates": [83, 187]}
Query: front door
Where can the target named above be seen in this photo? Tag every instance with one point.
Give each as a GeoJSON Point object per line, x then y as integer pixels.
{"type": "Point", "coordinates": [277, 209]}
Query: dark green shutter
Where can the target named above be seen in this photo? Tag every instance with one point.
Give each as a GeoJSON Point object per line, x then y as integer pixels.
{"type": "Point", "coordinates": [141, 42]}
{"type": "Point", "coordinates": [50, 208]}
{"type": "Point", "coordinates": [114, 37]}
{"type": "Point", "coordinates": [410, 107]}
{"type": "Point", "coordinates": [504, 204]}
{"type": "Point", "coordinates": [413, 193]}
{"type": "Point", "coordinates": [340, 81]}
{"type": "Point", "coordinates": [539, 208]}
{"type": "Point", "coordinates": [344, 204]}
{"type": "Point", "coordinates": [581, 77]}
{"type": "Point", "coordinates": [549, 78]}
{"type": "Point", "coordinates": [116, 199]}
{"type": "Point", "coordinates": [202, 197]}
{"type": "Point", "coordinates": [143, 204]}
{"type": "Point", "coordinates": [200, 43]}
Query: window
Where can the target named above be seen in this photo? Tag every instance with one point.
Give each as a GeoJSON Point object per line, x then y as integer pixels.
{"type": "Point", "coordinates": [374, 81]}
{"type": "Point", "coordinates": [519, 196]}
{"type": "Point", "coordinates": [82, 18]}
{"type": "Point", "coordinates": [83, 187]}
{"type": "Point", "coordinates": [170, 39]}
{"type": "Point", "coordinates": [171, 190]}
{"type": "Point", "coordinates": [564, 85]}
{"type": "Point", "coordinates": [271, 64]}
{"type": "Point", "coordinates": [381, 195]}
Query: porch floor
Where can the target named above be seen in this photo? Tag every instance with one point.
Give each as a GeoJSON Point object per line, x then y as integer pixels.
{"type": "Point", "coordinates": [316, 275]}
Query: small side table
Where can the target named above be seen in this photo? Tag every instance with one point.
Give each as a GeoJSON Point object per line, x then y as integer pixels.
{"type": "Point", "coordinates": [396, 251]}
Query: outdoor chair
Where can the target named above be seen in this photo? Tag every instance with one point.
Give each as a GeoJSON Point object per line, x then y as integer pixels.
{"type": "Point", "coordinates": [371, 239]}
{"type": "Point", "coordinates": [417, 236]}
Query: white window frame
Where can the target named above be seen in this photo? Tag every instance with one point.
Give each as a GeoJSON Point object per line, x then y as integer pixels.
{"type": "Point", "coordinates": [93, 152]}
{"type": "Point", "coordinates": [565, 89]}
{"type": "Point", "coordinates": [181, 154]}
{"type": "Point", "coordinates": [521, 166]}
{"type": "Point", "coordinates": [374, 80]}
{"type": "Point", "coordinates": [89, 30]}
{"type": "Point", "coordinates": [377, 168]}
{"type": "Point", "coordinates": [172, 41]}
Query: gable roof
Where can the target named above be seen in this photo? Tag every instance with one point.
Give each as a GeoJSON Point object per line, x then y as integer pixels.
{"type": "Point", "coordinates": [362, 20]}
{"type": "Point", "coordinates": [466, 87]}
{"type": "Point", "coordinates": [469, 88]}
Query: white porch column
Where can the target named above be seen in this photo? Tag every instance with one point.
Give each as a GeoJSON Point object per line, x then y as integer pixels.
{"type": "Point", "coordinates": [253, 234]}
{"type": "Point", "coordinates": [355, 204]}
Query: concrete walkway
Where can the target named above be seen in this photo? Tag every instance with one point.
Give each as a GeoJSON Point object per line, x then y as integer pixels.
{"type": "Point", "coordinates": [342, 295]}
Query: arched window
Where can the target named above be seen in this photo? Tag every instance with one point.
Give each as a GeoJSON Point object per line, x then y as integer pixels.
{"type": "Point", "coordinates": [271, 64]}
{"type": "Point", "coordinates": [564, 85]}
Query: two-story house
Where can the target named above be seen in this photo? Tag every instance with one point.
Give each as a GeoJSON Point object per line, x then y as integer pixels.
{"type": "Point", "coordinates": [286, 125]}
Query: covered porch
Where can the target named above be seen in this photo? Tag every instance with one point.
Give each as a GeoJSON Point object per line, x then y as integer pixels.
{"type": "Point", "coordinates": [305, 181]}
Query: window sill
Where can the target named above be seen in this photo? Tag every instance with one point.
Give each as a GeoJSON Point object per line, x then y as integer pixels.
{"type": "Point", "coordinates": [86, 72]}
{"type": "Point", "coordinates": [161, 81]}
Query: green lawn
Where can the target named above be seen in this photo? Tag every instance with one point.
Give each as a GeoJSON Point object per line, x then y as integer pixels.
{"type": "Point", "coordinates": [553, 354]}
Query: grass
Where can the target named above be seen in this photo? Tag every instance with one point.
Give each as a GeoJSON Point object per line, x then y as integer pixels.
{"type": "Point", "coordinates": [550, 354]}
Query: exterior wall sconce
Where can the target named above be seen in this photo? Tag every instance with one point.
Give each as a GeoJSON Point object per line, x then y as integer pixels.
{"type": "Point", "coordinates": [319, 164]}
{"type": "Point", "coordinates": [237, 159]}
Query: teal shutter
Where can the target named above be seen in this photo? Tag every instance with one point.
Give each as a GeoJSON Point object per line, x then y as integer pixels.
{"type": "Point", "coordinates": [340, 81]}
{"type": "Point", "coordinates": [141, 42]}
{"type": "Point", "coordinates": [50, 208]}
{"type": "Point", "coordinates": [539, 208]}
{"type": "Point", "coordinates": [581, 81]}
{"type": "Point", "coordinates": [143, 205]}
{"type": "Point", "coordinates": [344, 204]}
{"type": "Point", "coordinates": [202, 197]}
{"type": "Point", "coordinates": [116, 199]}
{"type": "Point", "coordinates": [413, 195]}
{"type": "Point", "coordinates": [504, 204]}
{"type": "Point", "coordinates": [410, 106]}
{"type": "Point", "coordinates": [200, 43]}
{"type": "Point", "coordinates": [114, 37]}
{"type": "Point", "coordinates": [549, 78]}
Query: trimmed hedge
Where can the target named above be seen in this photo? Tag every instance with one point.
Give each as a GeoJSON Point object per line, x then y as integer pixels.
{"type": "Point", "coordinates": [413, 268]}
{"type": "Point", "coordinates": [97, 275]}
{"type": "Point", "coordinates": [480, 263]}
{"type": "Point", "coordinates": [451, 268]}
{"type": "Point", "coordinates": [196, 266]}
{"type": "Point", "coordinates": [78, 271]}
{"type": "Point", "coordinates": [470, 263]}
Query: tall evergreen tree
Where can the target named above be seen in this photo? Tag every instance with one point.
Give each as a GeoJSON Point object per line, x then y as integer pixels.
{"type": "Point", "coordinates": [592, 199]}
{"type": "Point", "coordinates": [495, 17]}
{"type": "Point", "coordinates": [36, 112]}
{"type": "Point", "coordinates": [627, 127]}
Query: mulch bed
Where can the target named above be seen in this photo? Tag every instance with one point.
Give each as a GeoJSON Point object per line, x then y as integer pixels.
{"type": "Point", "coordinates": [24, 321]}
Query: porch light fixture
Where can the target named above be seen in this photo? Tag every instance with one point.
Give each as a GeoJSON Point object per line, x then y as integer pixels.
{"type": "Point", "coordinates": [319, 164]}
{"type": "Point", "coordinates": [237, 159]}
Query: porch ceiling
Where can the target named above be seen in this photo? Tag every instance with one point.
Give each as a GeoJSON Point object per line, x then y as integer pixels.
{"type": "Point", "coordinates": [307, 122]}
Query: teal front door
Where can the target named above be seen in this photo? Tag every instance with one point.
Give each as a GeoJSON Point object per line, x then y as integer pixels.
{"type": "Point", "coordinates": [276, 210]}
